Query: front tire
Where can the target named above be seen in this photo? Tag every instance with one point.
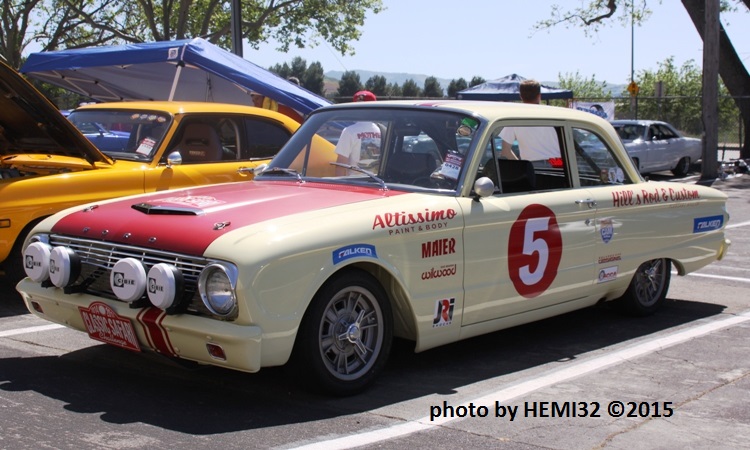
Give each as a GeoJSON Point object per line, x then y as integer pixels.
{"type": "Point", "coordinates": [647, 289]}
{"type": "Point", "coordinates": [345, 336]}
{"type": "Point", "coordinates": [682, 168]}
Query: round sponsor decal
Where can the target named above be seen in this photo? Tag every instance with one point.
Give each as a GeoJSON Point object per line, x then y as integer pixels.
{"type": "Point", "coordinates": [534, 250]}
{"type": "Point", "coordinates": [606, 229]}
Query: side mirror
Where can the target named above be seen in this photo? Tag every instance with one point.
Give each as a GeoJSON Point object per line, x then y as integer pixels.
{"type": "Point", "coordinates": [174, 159]}
{"type": "Point", "coordinates": [483, 187]}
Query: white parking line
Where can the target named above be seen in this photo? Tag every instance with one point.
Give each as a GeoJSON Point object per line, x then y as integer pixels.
{"type": "Point", "coordinates": [17, 331]}
{"type": "Point", "coordinates": [545, 380]}
{"type": "Point", "coordinates": [718, 277]}
{"type": "Point", "coordinates": [737, 225]}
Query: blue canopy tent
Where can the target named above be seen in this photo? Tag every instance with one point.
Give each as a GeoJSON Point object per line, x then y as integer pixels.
{"type": "Point", "coordinates": [507, 89]}
{"type": "Point", "coordinates": [188, 70]}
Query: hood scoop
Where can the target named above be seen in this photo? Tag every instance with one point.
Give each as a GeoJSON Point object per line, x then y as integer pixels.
{"type": "Point", "coordinates": [171, 210]}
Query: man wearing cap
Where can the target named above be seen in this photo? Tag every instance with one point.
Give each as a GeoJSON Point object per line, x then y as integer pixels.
{"type": "Point", "coordinates": [359, 141]}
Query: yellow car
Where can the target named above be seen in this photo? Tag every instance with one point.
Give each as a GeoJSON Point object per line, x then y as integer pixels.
{"type": "Point", "coordinates": [47, 164]}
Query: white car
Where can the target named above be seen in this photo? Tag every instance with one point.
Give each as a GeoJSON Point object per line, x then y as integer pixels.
{"type": "Point", "coordinates": [656, 146]}
{"type": "Point", "coordinates": [435, 241]}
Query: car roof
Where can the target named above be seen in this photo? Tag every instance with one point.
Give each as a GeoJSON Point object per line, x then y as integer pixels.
{"type": "Point", "coordinates": [490, 110]}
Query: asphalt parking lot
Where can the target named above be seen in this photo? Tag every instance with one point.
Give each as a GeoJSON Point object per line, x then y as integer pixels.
{"type": "Point", "coordinates": [589, 379]}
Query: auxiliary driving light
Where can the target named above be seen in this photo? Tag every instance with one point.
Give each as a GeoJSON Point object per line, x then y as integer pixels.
{"type": "Point", "coordinates": [128, 279]}
{"type": "Point", "coordinates": [165, 286]}
{"type": "Point", "coordinates": [36, 261]}
{"type": "Point", "coordinates": [64, 266]}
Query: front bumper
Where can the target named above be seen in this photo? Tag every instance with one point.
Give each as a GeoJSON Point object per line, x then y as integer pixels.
{"type": "Point", "coordinates": [182, 335]}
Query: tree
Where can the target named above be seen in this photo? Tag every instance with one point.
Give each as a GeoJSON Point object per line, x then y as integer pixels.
{"type": "Point", "coordinates": [432, 88]}
{"type": "Point", "coordinates": [83, 23]}
{"type": "Point", "coordinates": [731, 68]}
{"type": "Point", "coordinates": [394, 90]}
{"type": "Point", "coordinates": [314, 79]}
{"type": "Point", "coordinates": [477, 80]}
{"type": "Point", "coordinates": [583, 88]}
{"type": "Point", "coordinates": [349, 84]}
{"type": "Point", "coordinates": [378, 85]}
{"type": "Point", "coordinates": [410, 89]}
{"type": "Point", "coordinates": [456, 86]}
{"type": "Point", "coordinates": [311, 78]}
{"type": "Point", "coordinates": [56, 24]}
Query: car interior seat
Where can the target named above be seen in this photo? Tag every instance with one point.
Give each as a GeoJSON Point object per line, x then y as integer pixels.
{"type": "Point", "coordinates": [515, 175]}
{"type": "Point", "coordinates": [408, 168]}
{"type": "Point", "coordinates": [200, 143]}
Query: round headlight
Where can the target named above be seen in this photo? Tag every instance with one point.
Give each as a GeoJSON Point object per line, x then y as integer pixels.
{"type": "Point", "coordinates": [36, 261]}
{"type": "Point", "coordinates": [64, 266]}
{"type": "Point", "coordinates": [216, 285]}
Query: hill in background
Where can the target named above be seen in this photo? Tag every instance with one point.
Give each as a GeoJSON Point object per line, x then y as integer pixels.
{"type": "Point", "coordinates": [332, 80]}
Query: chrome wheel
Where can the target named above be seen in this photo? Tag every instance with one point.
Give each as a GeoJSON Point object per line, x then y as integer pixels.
{"type": "Point", "coordinates": [351, 333]}
{"type": "Point", "coordinates": [648, 288]}
{"type": "Point", "coordinates": [649, 282]}
{"type": "Point", "coordinates": [345, 336]}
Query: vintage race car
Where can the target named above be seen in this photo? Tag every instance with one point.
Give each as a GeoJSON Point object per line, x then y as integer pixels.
{"type": "Point", "coordinates": [656, 146]}
{"type": "Point", "coordinates": [46, 163]}
{"type": "Point", "coordinates": [319, 266]}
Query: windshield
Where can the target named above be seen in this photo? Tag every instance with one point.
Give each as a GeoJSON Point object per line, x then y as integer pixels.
{"type": "Point", "coordinates": [123, 134]}
{"type": "Point", "coordinates": [419, 148]}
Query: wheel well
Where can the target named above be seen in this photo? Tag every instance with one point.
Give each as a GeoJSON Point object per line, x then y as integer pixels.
{"type": "Point", "coordinates": [404, 323]}
{"type": "Point", "coordinates": [22, 237]}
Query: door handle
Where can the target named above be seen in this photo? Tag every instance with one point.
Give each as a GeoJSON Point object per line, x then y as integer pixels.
{"type": "Point", "coordinates": [590, 202]}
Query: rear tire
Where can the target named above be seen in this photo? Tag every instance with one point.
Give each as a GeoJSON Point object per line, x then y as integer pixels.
{"type": "Point", "coordinates": [647, 289]}
{"type": "Point", "coordinates": [345, 336]}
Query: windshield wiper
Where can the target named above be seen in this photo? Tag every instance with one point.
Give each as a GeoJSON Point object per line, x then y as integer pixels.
{"type": "Point", "coordinates": [361, 170]}
{"type": "Point", "coordinates": [270, 170]}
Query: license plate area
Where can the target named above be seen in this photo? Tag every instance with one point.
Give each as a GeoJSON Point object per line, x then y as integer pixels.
{"type": "Point", "coordinates": [105, 325]}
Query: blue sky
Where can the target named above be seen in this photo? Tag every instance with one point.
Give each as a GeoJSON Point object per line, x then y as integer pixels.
{"type": "Point", "coordinates": [492, 38]}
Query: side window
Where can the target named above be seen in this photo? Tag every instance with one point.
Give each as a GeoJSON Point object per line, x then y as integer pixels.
{"type": "Point", "coordinates": [263, 139]}
{"type": "Point", "coordinates": [666, 133]}
{"type": "Point", "coordinates": [526, 158]}
{"type": "Point", "coordinates": [597, 165]}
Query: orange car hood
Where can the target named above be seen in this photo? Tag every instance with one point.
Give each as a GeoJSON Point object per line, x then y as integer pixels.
{"type": "Point", "coordinates": [31, 126]}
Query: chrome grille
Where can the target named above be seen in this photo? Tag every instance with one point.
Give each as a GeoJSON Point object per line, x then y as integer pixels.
{"type": "Point", "coordinates": [98, 258]}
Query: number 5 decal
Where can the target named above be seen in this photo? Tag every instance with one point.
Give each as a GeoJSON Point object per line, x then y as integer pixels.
{"type": "Point", "coordinates": [534, 250]}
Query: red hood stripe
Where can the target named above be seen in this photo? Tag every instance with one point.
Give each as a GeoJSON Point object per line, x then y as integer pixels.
{"type": "Point", "coordinates": [185, 221]}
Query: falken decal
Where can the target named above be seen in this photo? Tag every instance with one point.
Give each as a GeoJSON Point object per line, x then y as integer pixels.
{"type": "Point", "coordinates": [703, 224]}
{"type": "Point", "coordinates": [353, 251]}
{"type": "Point", "coordinates": [444, 312]}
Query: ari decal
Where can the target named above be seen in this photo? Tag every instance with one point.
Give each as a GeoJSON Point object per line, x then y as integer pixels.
{"type": "Point", "coordinates": [444, 312]}
{"type": "Point", "coordinates": [534, 250]}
